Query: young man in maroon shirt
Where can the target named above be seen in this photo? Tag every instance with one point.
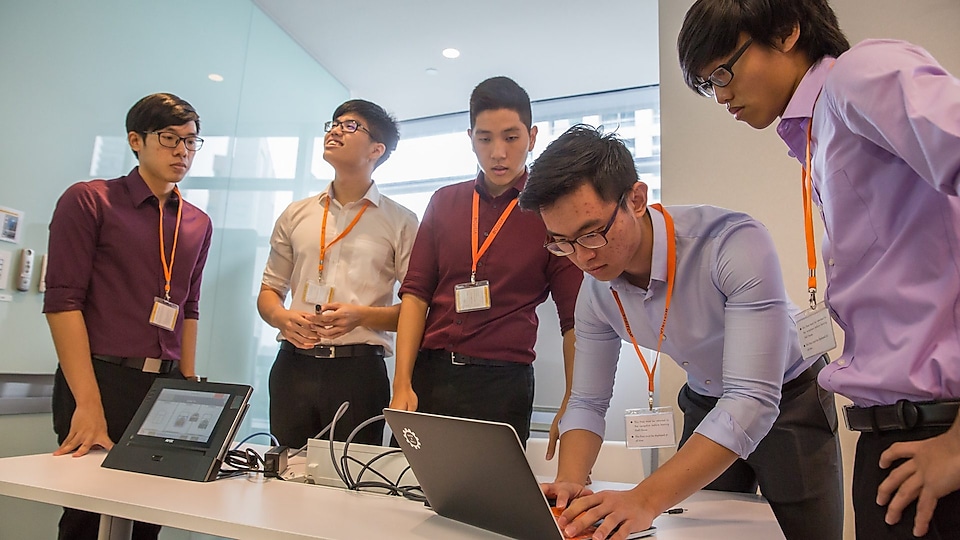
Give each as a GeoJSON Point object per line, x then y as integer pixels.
{"type": "Point", "coordinates": [123, 288]}
{"type": "Point", "coordinates": [467, 329]}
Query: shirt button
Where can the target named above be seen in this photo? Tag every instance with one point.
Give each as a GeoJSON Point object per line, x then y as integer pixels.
{"type": "Point", "coordinates": [830, 261]}
{"type": "Point", "coordinates": [685, 364]}
{"type": "Point", "coordinates": [841, 362]}
{"type": "Point", "coordinates": [707, 381]}
{"type": "Point", "coordinates": [459, 321]}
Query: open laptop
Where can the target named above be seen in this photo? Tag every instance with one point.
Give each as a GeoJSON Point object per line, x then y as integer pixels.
{"type": "Point", "coordinates": [181, 430]}
{"type": "Point", "coordinates": [476, 472]}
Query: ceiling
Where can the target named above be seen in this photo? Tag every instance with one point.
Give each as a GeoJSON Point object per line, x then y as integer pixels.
{"type": "Point", "coordinates": [381, 49]}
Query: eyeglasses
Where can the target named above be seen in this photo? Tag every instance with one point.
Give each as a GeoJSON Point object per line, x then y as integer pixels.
{"type": "Point", "coordinates": [593, 240]}
{"type": "Point", "coordinates": [171, 140]}
{"type": "Point", "coordinates": [349, 126]}
{"type": "Point", "coordinates": [722, 75]}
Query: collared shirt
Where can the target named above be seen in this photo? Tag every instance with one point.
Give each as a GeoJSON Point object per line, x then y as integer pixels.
{"type": "Point", "coordinates": [104, 260]}
{"type": "Point", "coordinates": [362, 267]}
{"type": "Point", "coordinates": [886, 170]}
{"type": "Point", "coordinates": [730, 326]}
{"type": "Point", "coordinates": [520, 271]}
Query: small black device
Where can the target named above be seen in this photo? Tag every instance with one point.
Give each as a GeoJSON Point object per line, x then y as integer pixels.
{"type": "Point", "coordinates": [275, 461]}
{"type": "Point", "coordinates": [181, 430]}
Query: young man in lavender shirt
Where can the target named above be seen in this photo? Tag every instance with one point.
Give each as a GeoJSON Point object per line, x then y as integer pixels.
{"type": "Point", "coordinates": [881, 124]}
{"type": "Point", "coordinates": [123, 288]}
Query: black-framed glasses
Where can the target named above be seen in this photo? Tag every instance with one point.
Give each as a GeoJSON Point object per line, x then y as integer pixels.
{"type": "Point", "coordinates": [591, 240]}
{"type": "Point", "coordinates": [722, 75]}
{"type": "Point", "coordinates": [171, 140]}
{"type": "Point", "coordinates": [349, 126]}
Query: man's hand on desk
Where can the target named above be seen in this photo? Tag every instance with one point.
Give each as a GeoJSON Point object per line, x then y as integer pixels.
{"type": "Point", "coordinates": [88, 430]}
{"type": "Point", "coordinates": [623, 509]}
{"type": "Point", "coordinates": [562, 493]}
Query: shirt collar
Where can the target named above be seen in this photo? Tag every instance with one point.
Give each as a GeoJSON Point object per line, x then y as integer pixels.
{"type": "Point", "coordinates": [139, 190]}
{"type": "Point", "coordinates": [807, 92]}
{"type": "Point", "coordinates": [373, 194]}
{"type": "Point", "coordinates": [511, 192]}
{"type": "Point", "coordinates": [799, 111]}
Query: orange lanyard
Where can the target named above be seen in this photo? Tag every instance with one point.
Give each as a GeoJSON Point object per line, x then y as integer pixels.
{"type": "Point", "coordinates": [806, 175]}
{"type": "Point", "coordinates": [475, 238]}
{"type": "Point", "coordinates": [168, 268]}
{"type": "Point", "coordinates": [671, 274]}
{"type": "Point", "coordinates": [323, 231]}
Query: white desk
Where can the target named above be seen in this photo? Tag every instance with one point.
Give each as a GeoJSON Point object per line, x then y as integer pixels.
{"type": "Point", "coordinates": [240, 508]}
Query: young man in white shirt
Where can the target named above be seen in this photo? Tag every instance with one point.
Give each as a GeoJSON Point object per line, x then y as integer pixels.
{"type": "Point", "coordinates": [339, 255]}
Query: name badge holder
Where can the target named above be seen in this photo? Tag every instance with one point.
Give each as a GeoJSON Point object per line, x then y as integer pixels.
{"type": "Point", "coordinates": [473, 296]}
{"type": "Point", "coordinates": [650, 428]}
{"type": "Point", "coordinates": [815, 329]}
{"type": "Point", "coordinates": [164, 313]}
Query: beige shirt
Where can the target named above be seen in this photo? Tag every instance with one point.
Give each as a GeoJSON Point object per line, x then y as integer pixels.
{"type": "Point", "coordinates": [363, 268]}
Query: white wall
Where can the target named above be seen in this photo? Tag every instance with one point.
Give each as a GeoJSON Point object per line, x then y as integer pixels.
{"type": "Point", "coordinates": [708, 158]}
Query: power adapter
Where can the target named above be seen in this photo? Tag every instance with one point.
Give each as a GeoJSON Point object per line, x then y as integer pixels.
{"type": "Point", "coordinates": [275, 461]}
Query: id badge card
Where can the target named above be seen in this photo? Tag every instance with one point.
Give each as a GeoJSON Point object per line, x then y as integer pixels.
{"type": "Point", "coordinates": [472, 296]}
{"type": "Point", "coordinates": [816, 331]}
{"type": "Point", "coordinates": [317, 293]}
{"type": "Point", "coordinates": [650, 428]}
{"type": "Point", "coordinates": [164, 313]}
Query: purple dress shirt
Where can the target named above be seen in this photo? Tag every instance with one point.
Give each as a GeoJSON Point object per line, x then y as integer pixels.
{"type": "Point", "coordinates": [886, 169]}
{"type": "Point", "coordinates": [104, 260]}
{"type": "Point", "coordinates": [520, 271]}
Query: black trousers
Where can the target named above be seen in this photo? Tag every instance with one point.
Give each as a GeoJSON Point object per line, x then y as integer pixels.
{"type": "Point", "coordinates": [867, 476]}
{"type": "Point", "coordinates": [305, 393]}
{"type": "Point", "coordinates": [493, 393]}
{"type": "Point", "coordinates": [122, 390]}
{"type": "Point", "coordinates": [797, 465]}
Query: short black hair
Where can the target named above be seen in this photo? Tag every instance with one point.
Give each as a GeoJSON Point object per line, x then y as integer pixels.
{"type": "Point", "coordinates": [381, 126]}
{"type": "Point", "coordinates": [711, 30]}
{"type": "Point", "coordinates": [498, 93]}
{"type": "Point", "coordinates": [580, 156]}
{"type": "Point", "coordinates": [158, 111]}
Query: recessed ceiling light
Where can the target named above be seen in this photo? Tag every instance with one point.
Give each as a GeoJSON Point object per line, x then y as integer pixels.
{"type": "Point", "coordinates": [451, 53]}
{"type": "Point", "coordinates": [432, 71]}
{"type": "Point", "coordinates": [215, 77]}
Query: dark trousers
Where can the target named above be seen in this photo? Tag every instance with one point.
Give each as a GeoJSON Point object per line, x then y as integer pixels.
{"type": "Point", "coordinates": [305, 393]}
{"type": "Point", "coordinates": [493, 393]}
{"type": "Point", "coordinates": [797, 465]}
{"type": "Point", "coordinates": [122, 390]}
{"type": "Point", "coordinates": [867, 476]}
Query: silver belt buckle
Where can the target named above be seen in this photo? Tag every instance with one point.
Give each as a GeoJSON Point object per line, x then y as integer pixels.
{"type": "Point", "coordinates": [331, 351]}
{"type": "Point", "coordinates": [151, 365]}
{"type": "Point", "coordinates": [453, 360]}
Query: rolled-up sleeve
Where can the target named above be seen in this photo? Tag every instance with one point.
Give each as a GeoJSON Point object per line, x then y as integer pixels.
{"type": "Point", "coordinates": [71, 249]}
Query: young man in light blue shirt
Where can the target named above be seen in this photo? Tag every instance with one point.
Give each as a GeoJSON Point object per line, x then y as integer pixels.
{"type": "Point", "coordinates": [753, 412]}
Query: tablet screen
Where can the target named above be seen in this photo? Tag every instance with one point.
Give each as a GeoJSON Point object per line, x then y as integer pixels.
{"type": "Point", "coordinates": [186, 415]}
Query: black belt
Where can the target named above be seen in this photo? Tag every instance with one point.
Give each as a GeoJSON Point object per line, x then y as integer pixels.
{"type": "Point", "coordinates": [459, 359]}
{"type": "Point", "coordinates": [146, 365]}
{"type": "Point", "coordinates": [903, 415]}
{"type": "Point", "coordinates": [334, 351]}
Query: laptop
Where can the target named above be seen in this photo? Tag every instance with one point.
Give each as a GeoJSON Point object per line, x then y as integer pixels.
{"type": "Point", "coordinates": [182, 429]}
{"type": "Point", "coordinates": [476, 472]}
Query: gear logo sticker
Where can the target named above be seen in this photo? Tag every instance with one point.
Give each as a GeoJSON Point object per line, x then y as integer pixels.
{"type": "Point", "coordinates": [411, 438]}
